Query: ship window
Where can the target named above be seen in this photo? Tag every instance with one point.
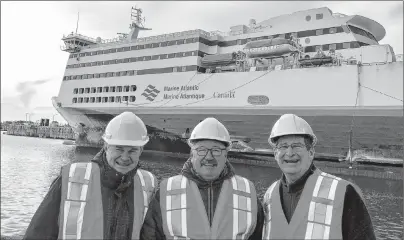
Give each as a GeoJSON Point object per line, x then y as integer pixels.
{"type": "Point", "coordinates": [102, 75]}
{"type": "Point", "coordinates": [71, 55]}
{"type": "Point", "coordinates": [134, 47]}
{"type": "Point", "coordinates": [86, 99]}
{"type": "Point", "coordinates": [163, 56]}
{"type": "Point", "coordinates": [109, 74]}
{"type": "Point", "coordinates": [133, 88]}
{"type": "Point", "coordinates": [125, 98]}
{"type": "Point", "coordinates": [64, 78]}
{"type": "Point", "coordinates": [92, 99]}
{"type": "Point", "coordinates": [346, 45]}
{"type": "Point", "coordinates": [155, 45]}
{"type": "Point", "coordinates": [148, 45]}
{"type": "Point", "coordinates": [147, 58]}
{"type": "Point", "coordinates": [193, 53]}
{"type": "Point", "coordinates": [74, 55]}
{"type": "Point", "coordinates": [106, 89]}
{"type": "Point", "coordinates": [93, 53]}
{"type": "Point", "coordinates": [155, 57]}
{"type": "Point", "coordinates": [98, 99]}
{"type": "Point", "coordinates": [82, 64]}
{"type": "Point", "coordinates": [124, 73]}
{"type": "Point", "coordinates": [89, 76]}
{"type": "Point", "coordinates": [307, 33]}
{"type": "Point", "coordinates": [99, 89]}
{"type": "Point", "coordinates": [111, 99]}
{"type": "Point", "coordinates": [339, 29]}
{"type": "Point", "coordinates": [333, 30]}
{"type": "Point", "coordinates": [170, 43]}
{"type": "Point", "coordinates": [174, 69]}
{"type": "Point", "coordinates": [355, 45]}
{"type": "Point", "coordinates": [93, 90]}
{"type": "Point", "coordinates": [74, 100]}
{"type": "Point", "coordinates": [74, 77]}
{"type": "Point", "coordinates": [132, 99]}
{"type": "Point", "coordinates": [75, 91]}
{"type": "Point", "coordinates": [99, 63]}
{"type": "Point", "coordinates": [69, 77]}
{"type": "Point", "coordinates": [82, 54]}
{"type": "Point", "coordinates": [308, 18]}
{"type": "Point", "coordinates": [115, 61]}
{"type": "Point", "coordinates": [126, 60]}
{"type": "Point", "coordinates": [333, 46]}
{"type": "Point", "coordinates": [189, 40]}
{"type": "Point", "coordinates": [88, 64]}
{"type": "Point", "coordinates": [141, 46]}
{"type": "Point", "coordinates": [106, 62]}
{"type": "Point", "coordinates": [163, 44]}
{"type": "Point", "coordinates": [130, 72]}
{"type": "Point", "coordinates": [183, 68]}
{"type": "Point", "coordinates": [112, 89]}
{"type": "Point", "coordinates": [126, 49]}
{"type": "Point", "coordinates": [134, 72]}
{"type": "Point", "coordinates": [87, 90]}
{"type": "Point", "coordinates": [319, 16]}
{"type": "Point", "coordinates": [319, 47]}
{"type": "Point", "coordinates": [178, 55]}
{"type": "Point", "coordinates": [309, 49]}
{"type": "Point", "coordinates": [76, 65]}
{"type": "Point", "coordinates": [119, 88]}
{"type": "Point", "coordinates": [179, 42]}
{"type": "Point", "coordinates": [118, 74]}
{"type": "Point", "coordinates": [96, 75]}
{"type": "Point", "coordinates": [104, 99]}
{"type": "Point", "coordinates": [126, 88]}
{"type": "Point", "coordinates": [113, 50]}
{"type": "Point", "coordinates": [78, 76]}
{"type": "Point", "coordinates": [118, 98]}
{"type": "Point", "coordinates": [105, 51]}
{"type": "Point", "coordinates": [339, 46]}
{"type": "Point", "coordinates": [94, 64]}
{"type": "Point", "coordinates": [326, 47]}
{"type": "Point", "coordinates": [88, 53]}
{"type": "Point", "coordinates": [319, 32]}
{"type": "Point", "coordinates": [99, 52]}
{"type": "Point", "coordinates": [119, 61]}
{"type": "Point", "coordinates": [80, 99]}
{"type": "Point", "coordinates": [120, 49]}
{"type": "Point", "coordinates": [171, 55]}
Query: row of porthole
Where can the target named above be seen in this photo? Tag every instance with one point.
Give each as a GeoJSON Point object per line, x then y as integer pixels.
{"type": "Point", "coordinates": [125, 88]}
{"type": "Point", "coordinates": [111, 99]}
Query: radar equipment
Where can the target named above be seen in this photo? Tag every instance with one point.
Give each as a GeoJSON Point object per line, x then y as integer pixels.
{"type": "Point", "coordinates": [137, 23]}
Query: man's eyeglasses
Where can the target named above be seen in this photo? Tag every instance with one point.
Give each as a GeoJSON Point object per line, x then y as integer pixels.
{"type": "Point", "coordinates": [204, 151]}
{"type": "Point", "coordinates": [296, 147]}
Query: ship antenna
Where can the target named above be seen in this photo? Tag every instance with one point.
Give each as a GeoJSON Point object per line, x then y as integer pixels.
{"type": "Point", "coordinates": [77, 25]}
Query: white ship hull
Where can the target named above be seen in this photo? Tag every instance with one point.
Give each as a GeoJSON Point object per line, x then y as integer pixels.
{"type": "Point", "coordinates": [248, 103]}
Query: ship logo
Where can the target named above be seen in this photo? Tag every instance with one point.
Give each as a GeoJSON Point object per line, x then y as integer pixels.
{"type": "Point", "coordinates": [150, 93]}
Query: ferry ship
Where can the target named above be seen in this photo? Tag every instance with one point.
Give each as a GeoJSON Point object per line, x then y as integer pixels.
{"type": "Point", "coordinates": [327, 67]}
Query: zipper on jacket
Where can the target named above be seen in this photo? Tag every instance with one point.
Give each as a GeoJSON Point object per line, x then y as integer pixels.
{"type": "Point", "coordinates": [210, 204]}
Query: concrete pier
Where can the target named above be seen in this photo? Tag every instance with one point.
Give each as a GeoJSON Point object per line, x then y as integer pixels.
{"type": "Point", "coordinates": [57, 132]}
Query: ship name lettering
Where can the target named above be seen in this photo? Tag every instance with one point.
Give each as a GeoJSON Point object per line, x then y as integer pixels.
{"type": "Point", "coordinates": [192, 96]}
{"type": "Point", "coordinates": [230, 94]}
{"type": "Point", "coordinates": [173, 88]}
{"type": "Point", "coordinates": [170, 96]}
{"type": "Point", "coordinates": [190, 88]}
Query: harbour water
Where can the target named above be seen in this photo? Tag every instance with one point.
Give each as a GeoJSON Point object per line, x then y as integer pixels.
{"type": "Point", "coordinates": [28, 166]}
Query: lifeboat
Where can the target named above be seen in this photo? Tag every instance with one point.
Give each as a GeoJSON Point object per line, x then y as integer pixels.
{"type": "Point", "coordinates": [269, 48]}
{"type": "Point", "coordinates": [219, 59]}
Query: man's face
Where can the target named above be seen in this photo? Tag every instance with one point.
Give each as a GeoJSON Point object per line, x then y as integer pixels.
{"type": "Point", "coordinates": [292, 155]}
{"type": "Point", "coordinates": [123, 158]}
{"type": "Point", "coordinates": [209, 158]}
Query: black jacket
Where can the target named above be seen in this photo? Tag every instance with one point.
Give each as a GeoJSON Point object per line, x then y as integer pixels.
{"type": "Point", "coordinates": [117, 200]}
{"type": "Point", "coordinates": [153, 225]}
{"type": "Point", "coordinates": [356, 221]}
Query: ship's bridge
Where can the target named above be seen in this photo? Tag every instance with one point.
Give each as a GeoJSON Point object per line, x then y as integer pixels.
{"type": "Point", "coordinates": [74, 42]}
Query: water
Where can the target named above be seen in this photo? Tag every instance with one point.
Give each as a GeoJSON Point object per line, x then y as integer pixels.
{"type": "Point", "coordinates": [28, 166]}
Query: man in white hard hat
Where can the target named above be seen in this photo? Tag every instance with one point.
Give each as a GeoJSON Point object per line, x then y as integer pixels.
{"type": "Point", "coordinates": [307, 203]}
{"type": "Point", "coordinates": [207, 200]}
{"type": "Point", "coordinates": [106, 198]}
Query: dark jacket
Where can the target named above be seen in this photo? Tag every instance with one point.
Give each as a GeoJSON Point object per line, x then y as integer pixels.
{"type": "Point", "coordinates": [356, 221]}
{"type": "Point", "coordinates": [117, 200]}
{"type": "Point", "coordinates": [153, 225]}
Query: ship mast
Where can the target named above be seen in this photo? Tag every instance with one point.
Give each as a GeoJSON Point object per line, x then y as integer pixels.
{"type": "Point", "coordinates": [137, 23]}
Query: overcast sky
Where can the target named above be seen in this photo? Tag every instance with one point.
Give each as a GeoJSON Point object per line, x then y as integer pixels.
{"type": "Point", "coordinates": [32, 64]}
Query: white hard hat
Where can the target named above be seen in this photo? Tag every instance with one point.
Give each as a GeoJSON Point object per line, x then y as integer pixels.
{"type": "Point", "coordinates": [126, 129]}
{"type": "Point", "coordinates": [290, 124]}
{"type": "Point", "coordinates": [212, 129]}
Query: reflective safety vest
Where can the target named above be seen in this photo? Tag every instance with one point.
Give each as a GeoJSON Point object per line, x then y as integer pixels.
{"type": "Point", "coordinates": [184, 215]}
{"type": "Point", "coordinates": [318, 214]}
{"type": "Point", "coordinates": [81, 210]}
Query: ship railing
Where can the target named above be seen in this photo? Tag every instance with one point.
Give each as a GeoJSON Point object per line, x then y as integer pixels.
{"type": "Point", "coordinates": [81, 36]}
{"type": "Point", "coordinates": [339, 15]}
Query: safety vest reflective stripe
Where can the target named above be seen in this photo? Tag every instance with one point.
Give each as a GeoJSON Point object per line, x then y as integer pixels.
{"type": "Point", "coordinates": [176, 207]}
{"type": "Point", "coordinates": [267, 209]}
{"type": "Point", "coordinates": [79, 176]}
{"type": "Point", "coordinates": [321, 207]}
{"type": "Point", "coordinates": [148, 182]}
{"type": "Point", "coordinates": [176, 201]}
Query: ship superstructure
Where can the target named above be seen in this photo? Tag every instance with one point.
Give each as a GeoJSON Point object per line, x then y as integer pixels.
{"type": "Point", "coordinates": [314, 62]}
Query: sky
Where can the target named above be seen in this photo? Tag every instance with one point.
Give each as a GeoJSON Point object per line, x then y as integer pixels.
{"type": "Point", "coordinates": [32, 64]}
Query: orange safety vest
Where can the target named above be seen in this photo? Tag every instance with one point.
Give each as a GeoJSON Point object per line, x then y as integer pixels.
{"type": "Point", "coordinates": [81, 212]}
{"type": "Point", "coordinates": [184, 214]}
{"type": "Point", "coordinates": [318, 214]}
